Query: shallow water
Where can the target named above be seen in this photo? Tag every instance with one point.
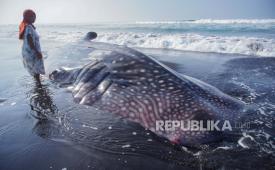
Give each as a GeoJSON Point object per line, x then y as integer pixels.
{"type": "Point", "coordinates": [42, 128]}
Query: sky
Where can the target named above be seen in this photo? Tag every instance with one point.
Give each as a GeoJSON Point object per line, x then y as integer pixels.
{"type": "Point", "coordinates": [90, 11]}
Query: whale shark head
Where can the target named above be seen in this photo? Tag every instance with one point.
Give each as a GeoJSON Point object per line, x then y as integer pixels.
{"type": "Point", "coordinates": [64, 76]}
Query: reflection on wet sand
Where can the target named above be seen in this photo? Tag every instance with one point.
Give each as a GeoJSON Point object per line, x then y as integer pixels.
{"type": "Point", "coordinates": [44, 110]}
{"type": "Point", "coordinates": [41, 101]}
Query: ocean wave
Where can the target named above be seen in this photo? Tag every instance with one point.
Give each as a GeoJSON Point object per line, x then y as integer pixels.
{"type": "Point", "coordinates": [194, 42]}
{"type": "Point", "coordinates": [249, 40]}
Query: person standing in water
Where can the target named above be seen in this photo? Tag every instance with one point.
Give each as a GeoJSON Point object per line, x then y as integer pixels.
{"type": "Point", "coordinates": [31, 51]}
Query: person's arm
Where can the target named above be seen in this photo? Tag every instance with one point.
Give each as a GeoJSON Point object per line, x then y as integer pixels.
{"type": "Point", "coordinates": [30, 41]}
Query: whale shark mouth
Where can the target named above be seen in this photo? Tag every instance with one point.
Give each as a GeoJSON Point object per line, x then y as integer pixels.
{"type": "Point", "coordinates": [65, 76]}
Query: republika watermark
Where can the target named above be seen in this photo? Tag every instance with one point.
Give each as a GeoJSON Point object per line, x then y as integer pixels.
{"type": "Point", "coordinates": [197, 125]}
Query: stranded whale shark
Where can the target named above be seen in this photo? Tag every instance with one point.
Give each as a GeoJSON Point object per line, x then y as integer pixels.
{"type": "Point", "coordinates": [137, 87]}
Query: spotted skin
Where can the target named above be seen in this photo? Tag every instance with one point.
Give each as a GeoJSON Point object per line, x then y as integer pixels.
{"type": "Point", "coordinates": [138, 87]}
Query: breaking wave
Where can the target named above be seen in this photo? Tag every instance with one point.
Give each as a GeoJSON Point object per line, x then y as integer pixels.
{"type": "Point", "coordinates": [194, 42]}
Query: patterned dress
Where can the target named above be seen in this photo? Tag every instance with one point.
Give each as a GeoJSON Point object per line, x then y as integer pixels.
{"type": "Point", "coordinates": [31, 62]}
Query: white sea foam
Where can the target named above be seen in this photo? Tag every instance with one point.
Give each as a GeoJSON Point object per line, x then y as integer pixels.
{"type": "Point", "coordinates": [194, 42]}
{"type": "Point", "coordinates": [213, 21]}
{"type": "Point", "coordinates": [235, 21]}
{"type": "Point", "coordinates": [188, 42]}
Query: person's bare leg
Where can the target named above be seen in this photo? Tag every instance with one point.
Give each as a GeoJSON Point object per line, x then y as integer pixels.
{"type": "Point", "coordinates": [37, 78]}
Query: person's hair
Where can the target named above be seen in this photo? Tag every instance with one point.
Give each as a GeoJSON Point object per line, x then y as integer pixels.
{"type": "Point", "coordinates": [27, 14]}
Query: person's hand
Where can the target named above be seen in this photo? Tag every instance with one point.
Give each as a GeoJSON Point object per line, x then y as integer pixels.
{"type": "Point", "coordinates": [39, 55]}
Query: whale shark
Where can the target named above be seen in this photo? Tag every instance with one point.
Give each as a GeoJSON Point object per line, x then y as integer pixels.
{"type": "Point", "coordinates": [141, 89]}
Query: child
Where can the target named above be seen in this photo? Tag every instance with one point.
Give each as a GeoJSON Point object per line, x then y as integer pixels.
{"type": "Point", "coordinates": [31, 52]}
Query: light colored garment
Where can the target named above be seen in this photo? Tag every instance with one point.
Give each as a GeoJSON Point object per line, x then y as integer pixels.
{"type": "Point", "coordinates": [31, 62]}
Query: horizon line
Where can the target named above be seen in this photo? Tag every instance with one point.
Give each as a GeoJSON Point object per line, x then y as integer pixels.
{"type": "Point", "coordinates": [146, 21]}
